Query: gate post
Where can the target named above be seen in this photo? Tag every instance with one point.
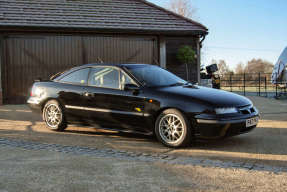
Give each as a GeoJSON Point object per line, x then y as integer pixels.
{"type": "Point", "coordinates": [259, 79]}
{"type": "Point", "coordinates": [230, 79]}
{"type": "Point", "coordinates": [244, 83]}
{"type": "Point", "coordinates": [265, 85]}
{"type": "Point", "coordinates": [276, 83]}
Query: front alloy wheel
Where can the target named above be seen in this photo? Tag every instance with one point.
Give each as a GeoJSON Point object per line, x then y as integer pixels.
{"type": "Point", "coordinates": [172, 128]}
{"type": "Point", "coordinates": [53, 116]}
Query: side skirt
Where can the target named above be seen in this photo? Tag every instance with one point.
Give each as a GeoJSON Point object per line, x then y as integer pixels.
{"type": "Point", "coordinates": [114, 129]}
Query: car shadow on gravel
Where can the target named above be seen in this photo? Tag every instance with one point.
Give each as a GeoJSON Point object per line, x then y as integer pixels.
{"type": "Point", "coordinates": [260, 141]}
{"type": "Point", "coordinates": [108, 133]}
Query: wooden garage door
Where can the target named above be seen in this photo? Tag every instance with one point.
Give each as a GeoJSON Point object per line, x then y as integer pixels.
{"type": "Point", "coordinates": [28, 57]}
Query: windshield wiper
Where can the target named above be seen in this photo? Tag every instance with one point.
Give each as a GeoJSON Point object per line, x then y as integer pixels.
{"type": "Point", "coordinates": [176, 84]}
{"type": "Point", "coordinates": [188, 83]}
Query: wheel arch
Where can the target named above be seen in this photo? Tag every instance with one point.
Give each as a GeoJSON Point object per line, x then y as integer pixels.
{"type": "Point", "coordinates": [43, 103]}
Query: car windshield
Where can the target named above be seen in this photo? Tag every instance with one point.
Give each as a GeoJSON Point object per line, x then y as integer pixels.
{"type": "Point", "coordinates": [154, 76]}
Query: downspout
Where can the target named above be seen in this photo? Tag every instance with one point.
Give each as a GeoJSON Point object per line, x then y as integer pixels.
{"type": "Point", "coordinates": [201, 41]}
{"type": "Point", "coordinates": [199, 46]}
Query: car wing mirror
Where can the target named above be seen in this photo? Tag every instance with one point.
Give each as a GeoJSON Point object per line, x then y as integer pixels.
{"type": "Point", "coordinates": [131, 87]}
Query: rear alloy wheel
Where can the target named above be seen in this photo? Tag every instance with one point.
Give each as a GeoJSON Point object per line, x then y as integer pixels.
{"type": "Point", "coordinates": [53, 116]}
{"type": "Point", "coordinates": [172, 129]}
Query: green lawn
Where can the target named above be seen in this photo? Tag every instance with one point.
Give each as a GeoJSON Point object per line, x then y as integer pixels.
{"type": "Point", "coordinates": [250, 89]}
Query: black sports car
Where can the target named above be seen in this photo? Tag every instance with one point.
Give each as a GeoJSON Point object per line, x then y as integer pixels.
{"type": "Point", "coordinates": [141, 98]}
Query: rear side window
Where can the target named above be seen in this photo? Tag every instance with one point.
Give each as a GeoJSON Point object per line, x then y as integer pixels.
{"type": "Point", "coordinates": [77, 77]}
{"type": "Point", "coordinates": [105, 77]}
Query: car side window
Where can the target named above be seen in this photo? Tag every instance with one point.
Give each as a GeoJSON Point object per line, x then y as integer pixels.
{"type": "Point", "coordinates": [105, 77]}
{"type": "Point", "coordinates": [77, 77]}
{"type": "Point", "coordinates": [125, 79]}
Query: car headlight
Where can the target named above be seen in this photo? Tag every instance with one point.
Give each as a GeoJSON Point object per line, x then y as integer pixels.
{"type": "Point", "coordinates": [226, 110]}
{"type": "Point", "coordinates": [37, 92]}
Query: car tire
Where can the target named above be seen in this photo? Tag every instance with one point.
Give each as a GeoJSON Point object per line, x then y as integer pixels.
{"type": "Point", "coordinates": [173, 129]}
{"type": "Point", "coordinates": [53, 116]}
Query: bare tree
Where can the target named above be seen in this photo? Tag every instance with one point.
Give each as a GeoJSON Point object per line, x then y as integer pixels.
{"type": "Point", "coordinates": [223, 68]}
{"type": "Point", "coordinates": [259, 65]}
{"type": "Point", "coordinates": [182, 7]}
{"type": "Point", "coordinates": [240, 68]}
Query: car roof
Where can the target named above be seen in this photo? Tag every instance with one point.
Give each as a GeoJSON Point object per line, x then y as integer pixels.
{"type": "Point", "coordinates": [112, 64]}
{"type": "Point", "coordinates": [121, 65]}
{"type": "Point", "coordinates": [58, 75]}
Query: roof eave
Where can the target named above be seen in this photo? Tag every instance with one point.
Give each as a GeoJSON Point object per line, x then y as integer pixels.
{"type": "Point", "coordinates": [25, 27]}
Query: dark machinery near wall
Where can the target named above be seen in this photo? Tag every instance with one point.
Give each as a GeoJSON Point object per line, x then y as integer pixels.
{"type": "Point", "coordinates": [210, 74]}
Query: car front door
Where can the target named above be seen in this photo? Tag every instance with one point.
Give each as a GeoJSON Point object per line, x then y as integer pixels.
{"type": "Point", "coordinates": [109, 104]}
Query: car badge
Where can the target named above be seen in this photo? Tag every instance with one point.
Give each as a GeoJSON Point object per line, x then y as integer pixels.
{"type": "Point", "coordinates": [138, 109]}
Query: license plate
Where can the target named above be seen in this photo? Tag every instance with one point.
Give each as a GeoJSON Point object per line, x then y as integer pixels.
{"type": "Point", "coordinates": [251, 122]}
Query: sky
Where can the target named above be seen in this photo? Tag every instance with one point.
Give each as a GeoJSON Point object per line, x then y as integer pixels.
{"type": "Point", "coordinates": [240, 30]}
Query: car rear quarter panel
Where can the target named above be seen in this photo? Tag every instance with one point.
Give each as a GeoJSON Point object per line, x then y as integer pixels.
{"type": "Point", "coordinates": [52, 90]}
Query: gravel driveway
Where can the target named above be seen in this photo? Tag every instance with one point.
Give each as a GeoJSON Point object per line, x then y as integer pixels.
{"type": "Point", "coordinates": [34, 158]}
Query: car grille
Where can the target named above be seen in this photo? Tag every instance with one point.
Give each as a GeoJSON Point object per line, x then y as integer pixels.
{"type": "Point", "coordinates": [246, 110]}
{"type": "Point", "coordinates": [238, 129]}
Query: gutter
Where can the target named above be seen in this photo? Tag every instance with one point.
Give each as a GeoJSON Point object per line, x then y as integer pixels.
{"type": "Point", "coordinates": [201, 41]}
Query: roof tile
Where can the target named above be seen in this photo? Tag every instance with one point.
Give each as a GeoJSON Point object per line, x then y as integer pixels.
{"type": "Point", "coordinates": [94, 14]}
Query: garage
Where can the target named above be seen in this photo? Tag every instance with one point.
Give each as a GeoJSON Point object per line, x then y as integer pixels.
{"type": "Point", "coordinates": [28, 57]}
{"type": "Point", "coordinates": [41, 38]}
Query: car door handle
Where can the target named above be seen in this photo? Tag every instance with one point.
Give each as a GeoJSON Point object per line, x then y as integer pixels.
{"type": "Point", "coordinates": [88, 94]}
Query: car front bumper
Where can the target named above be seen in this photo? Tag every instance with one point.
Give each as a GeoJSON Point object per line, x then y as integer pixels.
{"type": "Point", "coordinates": [34, 104]}
{"type": "Point", "coordinates": [220, 128]}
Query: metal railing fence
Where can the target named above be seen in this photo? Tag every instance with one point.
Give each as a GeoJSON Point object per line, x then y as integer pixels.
{"type": "Point", "coordinates": [259, 84]}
